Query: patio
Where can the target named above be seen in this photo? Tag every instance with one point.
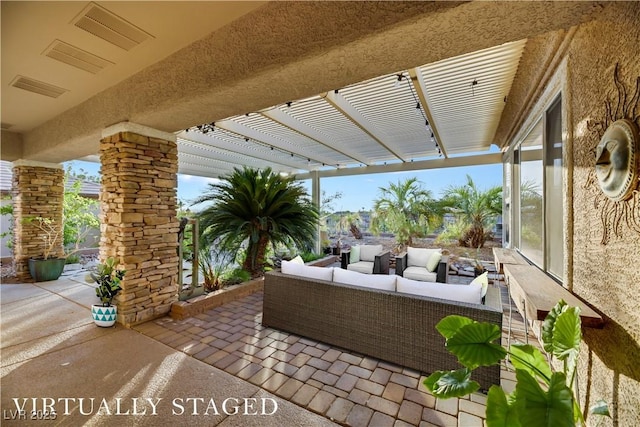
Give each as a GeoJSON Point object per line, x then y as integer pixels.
{"type": "Point", "coordinates": [292, 84]}
{"type": "Point", "coordinates": [222, 353]}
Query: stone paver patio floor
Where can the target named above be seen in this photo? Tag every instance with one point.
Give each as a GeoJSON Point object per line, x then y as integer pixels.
{"type": "Point", "coordinates": [346, 387]}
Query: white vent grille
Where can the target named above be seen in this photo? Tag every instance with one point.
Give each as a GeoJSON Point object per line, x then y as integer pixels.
{"type": "Point", "coordinates": [110, 27]}
{"type": "Point", "coordinates": [76, 57]}
{"type": "Point", "coordinates": [38, 87]}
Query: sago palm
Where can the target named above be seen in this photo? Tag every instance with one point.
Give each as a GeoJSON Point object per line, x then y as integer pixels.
{"type": "Point", "coordinates": [475, 208]}
{"type": "Point", "coordinates": [258, 207]}
{"type": "Point", "coordinates": [405, 209]}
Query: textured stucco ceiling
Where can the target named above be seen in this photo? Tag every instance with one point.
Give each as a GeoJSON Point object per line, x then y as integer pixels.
{"type": "Point", "coordinates": [291, 50]}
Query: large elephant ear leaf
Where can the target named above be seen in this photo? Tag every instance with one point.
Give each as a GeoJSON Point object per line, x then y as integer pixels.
{"type": "Point", "coordinates": [567, 334]}
{"type": "Point", "coordinates": [553, 408]}
{"type": "Point", "coordinates": [451, 324]}
{"type": "Point", "coordinates": [529, 358]}
{"type": "Point", "coordinates": [445, 384]}
{"type": "Point", "coordinates": [473, 345]}
{"type": "Point", "coordinates": [500, 411]}
{"type": "Point", "coordinates": [549, 322]}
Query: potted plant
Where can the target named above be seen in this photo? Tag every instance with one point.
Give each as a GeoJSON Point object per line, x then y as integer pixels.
{"type": "Point", "coordinates": [50, 265]}
{"type": "Point", "coordinates": [108, 278]}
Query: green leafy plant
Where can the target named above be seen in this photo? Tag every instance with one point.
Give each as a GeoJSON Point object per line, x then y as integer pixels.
{"type": "Point", "coordinates": [405, 209]}
{"type": "Point", "coordinates": [6, 209]}
{"type": "Point", "coordinates": [258, 209]}
{"type": "Point", "coordinates": [79, 216]}
{"type": "Point", "coordinates": [108, 278]}
{"type": "Point", "coordinates": [543, 396]}
{"type": "Point", "coordinates": [477, 209]}
{"type": "Point", "coordinates": [215, 263]}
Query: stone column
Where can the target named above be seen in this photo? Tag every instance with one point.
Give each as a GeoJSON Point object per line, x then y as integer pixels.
{"type": "Point", "coordinates": [37, 191]}
{"type": "Point", "coordinates": [138, 203]}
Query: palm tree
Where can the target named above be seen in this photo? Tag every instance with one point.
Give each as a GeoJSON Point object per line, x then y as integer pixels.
{"type": "Point", "coordinates": [476, 209]}
{"type": "Point", "coordinates": [258, 207]}
{"type": "Point", "coordinates": [405, 209]}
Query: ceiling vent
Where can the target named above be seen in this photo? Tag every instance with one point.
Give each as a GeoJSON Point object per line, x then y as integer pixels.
{"type": "Point", "coordinates": [110, 27]}
{"type": "Point", "coordinates": [38, 87]}
{"type": "Point", "coordinates": [76, 57]}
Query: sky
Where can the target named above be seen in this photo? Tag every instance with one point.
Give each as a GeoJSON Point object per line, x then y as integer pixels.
{"type": "Point", "coordinates": [358, 191]}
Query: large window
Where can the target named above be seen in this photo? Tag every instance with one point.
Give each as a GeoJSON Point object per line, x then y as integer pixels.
{"type": "Point", "coordinates": [531, 195]}
{"type": "Point", "coordinates": [537, 209]}
{"type": "Point", "coordinates": [553, 187]}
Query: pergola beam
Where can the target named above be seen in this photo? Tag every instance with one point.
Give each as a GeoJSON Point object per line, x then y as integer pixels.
{"type": "Point", "coordinates": [449, 162]}
{"type": "Point", "coordinates": [421, 90]}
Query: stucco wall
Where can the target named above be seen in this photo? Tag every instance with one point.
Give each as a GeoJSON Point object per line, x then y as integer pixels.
{"type": "Point", "coordinates": [607, 276]}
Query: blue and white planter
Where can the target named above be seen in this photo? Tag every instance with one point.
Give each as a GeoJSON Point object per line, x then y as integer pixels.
{"type": "Point", "coordinates": [104, 316]}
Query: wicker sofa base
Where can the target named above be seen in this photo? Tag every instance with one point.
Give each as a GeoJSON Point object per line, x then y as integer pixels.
{"type": "Point", "coordinates": [390, 326]}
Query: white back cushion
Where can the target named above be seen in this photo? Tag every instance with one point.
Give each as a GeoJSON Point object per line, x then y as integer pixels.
{"type": "Point", "coordinates": [419, 257]}
{"type": "Point", "coordinates": [461, 293]}
{"type": "Point", "coordinates": [307, 271]}
{"type": "Point", "coordinates": [369, 252]}
{"type": "Point", "coordinates": [375, 281]}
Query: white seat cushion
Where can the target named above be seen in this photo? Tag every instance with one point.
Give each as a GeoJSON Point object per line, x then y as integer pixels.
{"type": "Point", "coordinates": [461, 293]}
{"type": "Point", "coordinates": [419, 273]}
{"type": "Point", "coordinates": [374, 281]}
{"type": "Point", "coordinates": [369, 252]}
{"type": "Point", "coordinates": [365, 267]}
{"type": "Point", "coordinates": [419, 257]}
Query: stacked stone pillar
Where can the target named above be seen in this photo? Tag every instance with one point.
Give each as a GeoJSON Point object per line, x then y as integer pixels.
{"type": "Point", "coordinates": [37, 191]}
{"type": "Point", "coordinates": [139, 219]}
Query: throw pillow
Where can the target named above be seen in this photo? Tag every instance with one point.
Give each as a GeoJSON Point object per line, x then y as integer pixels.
{"type": "Point", "coordinates": [482, 280]}
{"type": "Point", "coordinates": [297, 260]}
{"type": "Point", "coordinates": [354, 255]}
{"type": "Point", "coordinates": [434, 260]}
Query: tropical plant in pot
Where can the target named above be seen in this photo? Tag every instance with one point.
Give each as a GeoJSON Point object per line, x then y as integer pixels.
{"type": "Point", "coordinates": [108, 278]}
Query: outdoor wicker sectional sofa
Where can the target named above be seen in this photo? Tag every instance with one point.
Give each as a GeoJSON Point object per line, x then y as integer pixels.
{"type": "Point", "coordinates": [388, 325]}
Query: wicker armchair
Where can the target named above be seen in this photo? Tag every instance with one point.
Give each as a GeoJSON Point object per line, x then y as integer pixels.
{"type": "Point", "coordinates": [372, 260]}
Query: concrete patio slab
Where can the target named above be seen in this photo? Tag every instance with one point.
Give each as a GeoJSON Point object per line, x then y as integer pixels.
{"type": "Point", "coordinates": [87, 375]}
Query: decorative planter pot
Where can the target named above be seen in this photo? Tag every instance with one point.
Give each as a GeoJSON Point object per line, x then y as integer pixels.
{"type": "Point", "coordinates": [43, 270]}
{"type": "Point", "coordinates": [104, 316]}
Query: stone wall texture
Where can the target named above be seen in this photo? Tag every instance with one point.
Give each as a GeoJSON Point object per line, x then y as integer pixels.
{"type": "Point", "coordinates": [139, 222]}
{"type": "Point", "coordinates": [606, 276]}
{"type": "Point", "coordinates": [37, 192]}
